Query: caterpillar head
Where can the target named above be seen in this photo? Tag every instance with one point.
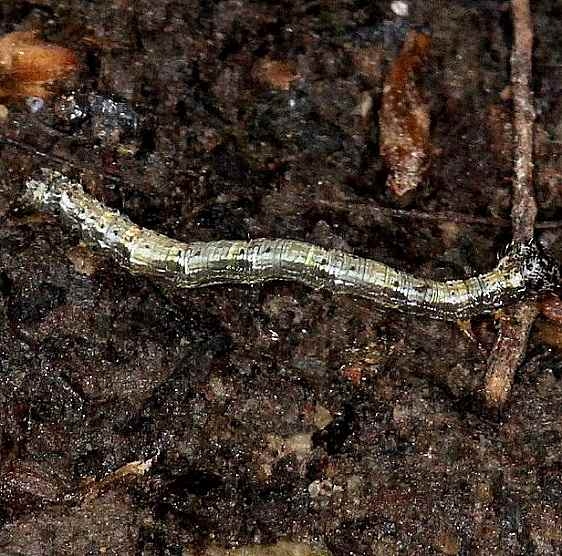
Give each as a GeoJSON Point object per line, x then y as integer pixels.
{"type": "Point", "coordinates": [540, 270]}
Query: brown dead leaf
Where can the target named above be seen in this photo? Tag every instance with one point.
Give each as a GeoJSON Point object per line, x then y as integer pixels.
{"type": "Point", "coordinates": [29, 65]}
{"type": "Point", "coordinates": [274, 74]}
{"type": "Point", "coordinates": [404, 118]}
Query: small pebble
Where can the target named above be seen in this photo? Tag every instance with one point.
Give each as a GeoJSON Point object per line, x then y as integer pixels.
{"type": "Point", "coordinates": [322, 417]}
{"type": "Point", "coordinates": [70, 109]}
{"type": "Point", "coordinates": [34, 104]}
{"type": "Point", "coordinates": [111, 119]}
{"type": "Point", "coordinates": [400, 8]}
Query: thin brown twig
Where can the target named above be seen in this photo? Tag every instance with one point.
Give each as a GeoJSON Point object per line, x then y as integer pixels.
{"type": "Point", "coordinates": [508, 352]}
{"type": "Point", "coordinates": [358, 209]}
{"type": "Point", "coordinates": [524, 207]}
{"type": "Point", "coordinates": [515, 324]}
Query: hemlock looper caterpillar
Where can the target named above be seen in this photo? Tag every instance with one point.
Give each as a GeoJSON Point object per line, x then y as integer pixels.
{"type": "Point", "coordinates": [523, 271]}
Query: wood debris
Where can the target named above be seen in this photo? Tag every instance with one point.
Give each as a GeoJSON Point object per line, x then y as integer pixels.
{"type": "Point", "coordinates": [516, 322]}
{"type": "Point", "coordinates": [404, 118]}
{"type": "Point", "coordinates": [92, 489]}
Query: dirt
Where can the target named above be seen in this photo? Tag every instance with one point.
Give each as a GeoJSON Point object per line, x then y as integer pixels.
{"type": "Point", "coordinates": [141, 420]}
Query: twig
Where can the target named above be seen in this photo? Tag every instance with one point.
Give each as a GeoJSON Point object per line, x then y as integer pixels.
{"type": "Point", "coordinates": [356, 209]}
{"type": "Point", "coordinates": [508, 352]}
{"type": "Point", "coordinates": [515, 323]}
{"type": "Point", "coordinates": [359, 210]}
{"type": "Point", "coordinates": [524, 207]}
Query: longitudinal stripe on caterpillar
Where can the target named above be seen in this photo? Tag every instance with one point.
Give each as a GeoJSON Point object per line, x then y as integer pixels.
{"type": "Point", "coordinates": [524, 270]}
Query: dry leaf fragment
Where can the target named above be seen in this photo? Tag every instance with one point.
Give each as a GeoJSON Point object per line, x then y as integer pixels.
{"type": "Point", "coordinates": [275, 74]}
{"type": "Point", "coordinates": [28, 65]}
{"type": "Point", "coordinates": [404, 118]}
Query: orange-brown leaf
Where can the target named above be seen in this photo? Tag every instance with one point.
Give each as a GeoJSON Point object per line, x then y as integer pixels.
{"type": "Point", "coordinates": [404, 118]}
{"type": "Point", "coordinates": [28, 64]}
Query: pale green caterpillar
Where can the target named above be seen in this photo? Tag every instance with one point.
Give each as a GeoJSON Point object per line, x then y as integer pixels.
{"type": "Point", "coordinates": [523, 271]}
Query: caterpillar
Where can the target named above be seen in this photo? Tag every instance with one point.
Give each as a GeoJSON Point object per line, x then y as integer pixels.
{"type": "Point", "coordinates": [524, 269]}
